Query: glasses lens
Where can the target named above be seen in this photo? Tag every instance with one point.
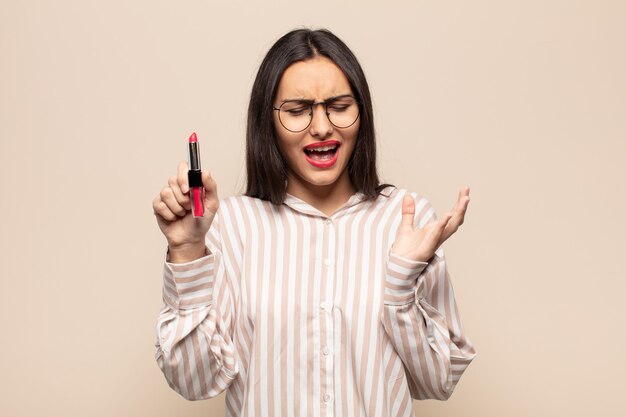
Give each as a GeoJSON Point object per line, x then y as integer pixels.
{"type": "Point", "coordinates": [295, 116]}
{"type": "Point", "coordinates": [343, 111]}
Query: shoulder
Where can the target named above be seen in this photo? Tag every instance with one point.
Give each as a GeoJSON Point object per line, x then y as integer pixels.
{"type": "Point", "coordinates": [236, 215]}
{"type": "Point", "coordinates": [238, 200]}
{"type": "Point", "coordinates": [238, 204]}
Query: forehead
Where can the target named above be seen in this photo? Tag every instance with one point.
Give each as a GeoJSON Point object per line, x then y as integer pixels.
{"type": "Point", "coordinates": [317, 78]}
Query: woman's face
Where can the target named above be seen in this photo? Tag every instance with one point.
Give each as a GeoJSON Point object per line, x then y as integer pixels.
{"type": "Point", "coordinates": [317, 79]}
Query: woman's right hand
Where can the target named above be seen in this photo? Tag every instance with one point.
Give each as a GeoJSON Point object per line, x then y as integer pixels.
{"type": "Point", "coordinates": [172, 208]}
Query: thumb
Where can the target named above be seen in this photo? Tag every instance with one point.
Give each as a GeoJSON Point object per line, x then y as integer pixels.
{"type": "Point", "coordinates": [211, 200]}
{"type": "Point", "coordinates": [209, 184]}
{"type": "Point", "coordinates": [408, 210]}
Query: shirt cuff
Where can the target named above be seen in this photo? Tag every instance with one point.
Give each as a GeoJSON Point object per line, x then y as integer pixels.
{"type": "Point", "coordinates": [401, 279]}
{"type": "Point", "coordinates": [190, 284]}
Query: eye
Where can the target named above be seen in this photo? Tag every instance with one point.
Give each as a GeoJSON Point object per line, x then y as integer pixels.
{"type": "Point", "coordinates": [296, 111]}
{"type": "Point", "coordinates": [338, 107]}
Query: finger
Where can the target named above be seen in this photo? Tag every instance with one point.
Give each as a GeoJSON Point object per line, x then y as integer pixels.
{"type": "Point", "coordinates": [458, 213]}
{"type": "Point", "coordinates": [161, 210]}
{"type": "Point", "coordinates": [408, 210]}
{"type": "Point", "coordinates": [458, 218]}
{"type": "Point", "coordinates": [183, 199]}
{"type": "Point", "coordinates": [432, 232]}
{"type": "Point", "coordinates": [463, 195]}
{"type": "Point", "coordinates": [436, 233]}
{"type": "Point", "coordinates": [167, 196]}
{"type": "Point", "coordinates": [183, 177]}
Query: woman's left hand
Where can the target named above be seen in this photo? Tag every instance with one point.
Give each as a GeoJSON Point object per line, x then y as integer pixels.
{"type": "Point", "coordinates": [420, 244]}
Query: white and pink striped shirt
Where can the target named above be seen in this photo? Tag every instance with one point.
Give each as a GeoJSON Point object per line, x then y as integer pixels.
{"type": "Point", "coordinates": [295, 313]}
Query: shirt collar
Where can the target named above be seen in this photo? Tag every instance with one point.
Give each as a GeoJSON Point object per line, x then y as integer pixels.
{"type": "Point", "coordinates": [304, 207]}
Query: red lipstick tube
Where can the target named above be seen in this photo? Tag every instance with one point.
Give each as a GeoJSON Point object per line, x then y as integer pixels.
{"type": "Point", "coordinates": [195, 177]}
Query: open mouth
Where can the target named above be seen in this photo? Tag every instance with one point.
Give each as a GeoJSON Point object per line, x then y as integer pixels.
{"type": "Point", "coordinates": [322, 153]}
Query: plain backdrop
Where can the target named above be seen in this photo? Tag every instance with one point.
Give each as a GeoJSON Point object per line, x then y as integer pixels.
{"type": "Point", "coordinates": [524, 101]}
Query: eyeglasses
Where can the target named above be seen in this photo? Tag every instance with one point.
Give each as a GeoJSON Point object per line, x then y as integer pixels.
{"type": "Point", "coordinates": [296, 115]}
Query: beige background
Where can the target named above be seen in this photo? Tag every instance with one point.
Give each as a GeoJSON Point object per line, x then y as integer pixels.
{"type": "Point", "coordinates": [525, 101]}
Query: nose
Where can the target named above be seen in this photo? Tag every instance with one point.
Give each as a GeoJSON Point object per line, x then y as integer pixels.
{"type": "Point", "coordinates": [320, 124]}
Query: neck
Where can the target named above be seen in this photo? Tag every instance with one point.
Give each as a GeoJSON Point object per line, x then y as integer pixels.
{"type": "Point", "coordinates": [325, 198]}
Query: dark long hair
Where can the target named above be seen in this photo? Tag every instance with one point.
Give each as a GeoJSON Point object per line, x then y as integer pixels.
{"type": "Point", "coordinates": [265, 166]}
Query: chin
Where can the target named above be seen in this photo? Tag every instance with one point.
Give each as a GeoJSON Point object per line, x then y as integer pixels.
{"type": "Point", "coordinates": [322, 179]}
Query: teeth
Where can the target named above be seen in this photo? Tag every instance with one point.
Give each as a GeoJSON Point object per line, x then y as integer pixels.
{"type": "Point", "coordinates": [322, 149]}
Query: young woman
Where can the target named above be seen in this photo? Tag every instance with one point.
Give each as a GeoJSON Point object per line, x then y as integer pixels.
{"type": "Point", "coordinates": [320, 291]}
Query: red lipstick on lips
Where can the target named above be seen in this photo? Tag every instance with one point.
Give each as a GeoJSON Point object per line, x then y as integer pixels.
{"type": "Point", "coordinates": [323, 163]}
{"type": "Point", "coordinates": [195, 177]}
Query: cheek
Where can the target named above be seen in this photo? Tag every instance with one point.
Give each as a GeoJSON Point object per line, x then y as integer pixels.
{"type": "Point", "coordinates": [351, 138]}
{"type": "Point", "coordinates": [354, 129]}
{"type": "Point", "coordinates": [288, 146]}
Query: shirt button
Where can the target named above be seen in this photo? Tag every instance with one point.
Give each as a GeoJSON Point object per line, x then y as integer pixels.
{"type": "Point", "coordinates": [328, 262]}
{"type": "Point", "coordinates": [323, 305]}
{"type": "Point", "coordinates": [329, 222]}
{"type": "Point", "coordinates": [326, 398]}
{"type": "Point", "coordinates": [325, 350]}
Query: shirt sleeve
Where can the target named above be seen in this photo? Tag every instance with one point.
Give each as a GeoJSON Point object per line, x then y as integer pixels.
{"type": "Point", "coordinates": [422, 321]}
{"type": "Point", "coordinates": [195, 348]}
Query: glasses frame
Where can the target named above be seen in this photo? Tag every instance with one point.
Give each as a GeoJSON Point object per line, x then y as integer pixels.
{"type": "Point", "coordinates": [313, 104]}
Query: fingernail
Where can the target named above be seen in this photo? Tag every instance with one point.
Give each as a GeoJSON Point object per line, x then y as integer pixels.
{"type": "Point", "coordinates": [184, 188]}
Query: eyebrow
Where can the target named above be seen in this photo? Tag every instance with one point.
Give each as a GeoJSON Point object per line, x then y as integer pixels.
{"type": "Point", "coordinates": [309, 101]}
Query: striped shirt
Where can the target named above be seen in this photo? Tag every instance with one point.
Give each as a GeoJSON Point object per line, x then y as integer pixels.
{"type": "Point", "coordinates": [296, 313]}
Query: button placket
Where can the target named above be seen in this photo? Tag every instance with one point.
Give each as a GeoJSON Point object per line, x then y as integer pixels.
{"type": "Point", "coordinates": [326, 305]}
